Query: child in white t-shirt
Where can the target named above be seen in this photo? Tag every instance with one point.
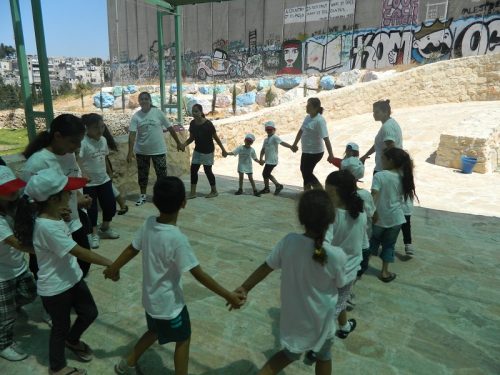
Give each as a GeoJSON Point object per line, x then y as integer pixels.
{"type": "Point", "coordinates": [17, 285]}
{"type": "Point", "coordinates": [270, 151]}
{"type": "Point", "coordinates": [166, 255]}
{"type": "Point", "coordinates": [311, 273]}
{"type": "Point", "coordinates": [390, 188]}
{"type": "Point", "coordinates": [246, 154]}
{"type": "Point", "coordinates": [347, 232]}
{"type": "Point", "coordinates": [60, 281]}
{"type": "Point", "coordinates": [92, 160]}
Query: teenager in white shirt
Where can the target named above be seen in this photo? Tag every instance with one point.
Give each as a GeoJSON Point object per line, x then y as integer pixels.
{"type": "Point", "coordinates": [311, 273]}
{"type": "Point", "coordinates": [270, 151]}
{"type": "Point", "coordinates": [390, 188]}
{"type": "Point", "coordinates": [388, 136]}
{"type": "Point", "coordinates": [166, 255]}
{"type": "Point", "coordinates": [313, 133]}
{"type": "Point", "coordinates": [60, 280]}
{"type": "Point", "coordinates": [147, 141]}
{"type": "Point", "coordinates": [347, 232]}
{"type": "Point", "coordinates": [56, 149]}
{"type": "Point", "coordinates": [246, 153]}
{"type": "Point", "coordinates": [92, 159]}
{"type": "Point", "coordinates": [17, 285]}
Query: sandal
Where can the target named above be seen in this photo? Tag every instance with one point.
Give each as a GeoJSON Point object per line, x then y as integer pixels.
{"type": "Point", "coordinates": [122, 211]}
{"type": "Point", "coordinates": [343, 334]}
{"type": "Point", "coordinates": [388, 279]}
{"type": "Point", "coordinates": [71, 371]}
{"type": "Point", "coordinates": [81, 350]}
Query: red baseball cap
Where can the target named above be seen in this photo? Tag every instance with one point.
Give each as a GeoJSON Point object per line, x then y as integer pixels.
{"type": "Point", "coordinates": [9, 183]}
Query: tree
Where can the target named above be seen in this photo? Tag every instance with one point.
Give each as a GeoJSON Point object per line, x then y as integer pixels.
{"type": "Point", "coordinates": [83, 89]}
{"type": "Point", "coordinates": [96, 61]}
{"type": "Point", "coordinates": [6, 51]}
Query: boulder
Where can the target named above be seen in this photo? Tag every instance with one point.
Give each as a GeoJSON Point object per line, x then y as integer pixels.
{"type": "Point", "coordinates": [246, 99]}
{"type": "Point", "coordinates": [117, 91]}
{"type": "Point", "coordinates": [372, 76]}
{"type": "Point", "coordinates": [349, 78]}
{"type": "Point", "coordinates": [240, 88]}
{"type": "Point", "coordinates": [132, 89]}
{"type": "Point", "coordinates": [262, 97]}
{"type": "Point", "coordinates": [264, 83]}
{"type": "Point", "coordinates": [312, 82]}
{"type": "Point", "coordinates": [292, 94]}
{"type": "Point", "coordinates": [206, 104]}
{"type": "Point", "coordinates": [156, 100]}
{"type": "Point", "coordinates": [107, 100]}
{"type": "Point", "coordinates": [250, 86]}
{"type": "Point", "coordinates": [287, 82]}
{"type": "Point", "coordinates": [223, 100]}
{"type": "Point", "coordinates": [209, 90]}
{"type": "Point", "coordinates": [327, 83]}
{"type": "Point", "coordinates": [119, 104]}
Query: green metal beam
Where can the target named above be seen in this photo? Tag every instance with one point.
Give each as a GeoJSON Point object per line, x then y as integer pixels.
{"type": "Point", "coordinates": [43, 61]}
{"type": "Point", "coordinates": [161, 4]}
{"type": "Point", "coordinates": [188, 2]}
{"type": "Point", "coordinates": [161, 60]}
{"type": "Point", "coordinates": [22, 62]}
{"type": "Point", "coordinates": [178, 62]}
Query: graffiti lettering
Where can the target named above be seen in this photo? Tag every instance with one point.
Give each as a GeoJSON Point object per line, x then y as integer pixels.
{"type": "Point", "coordinates": [399, 12]}
{"type": "Point", "coordinates": [483, 9]}
{"type": "Point", "coordinates": [478, 38]}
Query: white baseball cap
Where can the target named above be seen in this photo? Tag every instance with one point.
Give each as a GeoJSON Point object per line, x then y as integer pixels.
{"type": "Point", "coordinates": [49, 182]}
{"type": "Point", "coordinates": [250, 137]}
{"type": "Point", "coordinates": [355, 166]}
{"type": "Point", "coordinates": [9, 183]}
{"type": "Point", "coordinates": [269, 124]}
{"type": "Point", "coordinates": [353, 146]}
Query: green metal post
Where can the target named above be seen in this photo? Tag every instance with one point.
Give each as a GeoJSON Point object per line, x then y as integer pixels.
{"type": "Point", "coordinates": [178, 62]}
{"type": "Point", "coordinates": [43, 62]}
{"type": "Point", "coordinates": [161, 60]}
{"type": "Point", "coordinates": [22, 62]}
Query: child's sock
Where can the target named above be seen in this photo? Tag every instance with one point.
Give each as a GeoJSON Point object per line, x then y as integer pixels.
{"type": "Point", "coordinates": [346, 327]}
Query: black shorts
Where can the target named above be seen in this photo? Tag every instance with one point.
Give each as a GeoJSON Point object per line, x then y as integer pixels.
{"type": "Point", "coordinates": [177, 329]}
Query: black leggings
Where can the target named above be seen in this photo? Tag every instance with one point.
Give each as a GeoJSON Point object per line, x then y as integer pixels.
{"type": "Point", "coordinates": [208, 172]}
{"type": "Point", "coordinates": [406, 229]}
{"type": "Point", "coordinates": [107, 202]}
{"type": "Point", "coordinates": [143, 164]}
{"type": "Point", "coordinates": [307, 164]}
{"type": "Point", "coordinates": [268, 169]}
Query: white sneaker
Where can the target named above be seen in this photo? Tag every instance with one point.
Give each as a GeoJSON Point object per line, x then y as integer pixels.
{"type": "Point", "coordinates": [109, 234]}
{"type": "Point", "coordinates": [123, 368]}
{"type": "Point", "coordinates": [409, 250]}
{"type": "Point", "coordinates": [13, 353]}
{"type": "Point", "coordinates": [94, 241]}
{"type": "Point", "coordinates": [141, 200]}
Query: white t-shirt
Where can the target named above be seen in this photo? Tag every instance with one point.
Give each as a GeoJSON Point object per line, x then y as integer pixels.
{"type": "Point", "coordinates": [308, 292]}
{"type": "Point", "coordinates": [313, 132]}
{"type": "Point", "coordinates": [369, 208]}
{"type": "Point", "coordinates": [58, 269]}
{"type": "Point", "coordinates": [270, 146]}
{"type": "Point", "coordinates": [245, 157]}
{"type": "Point", "coordinates": [348, 234]}
{"type": "Point", "coordinates": [149, 127]}
{"type": "Point", "coordinates": [166, 254]}
{"type": "Point", "coordinates": [12, 263]}
{"type": "Point", "coordinates": [93, 160]}
{"type": "Point", "coordinates": [407, 206]}
{"type": "Point", "coordinates": [67, 165]}
{"type": "Point", "coordinates": [389, 131]}
{"type": "Point", "coordinates": [390, 198]}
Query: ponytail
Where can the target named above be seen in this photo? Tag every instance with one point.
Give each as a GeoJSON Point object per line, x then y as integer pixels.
{"type": "Point", "coordinates": [24, 220]}
{"type": "Point", "coordinates": [402, 160]}
{"type": "Point", "coordinates": [42, 140]}
{"type": "Point", "coordinates": [316, 213]}
{"type": "Point", "coordinates": [345, 184]}
{"type": "Point", "coordinates": [109, 139]}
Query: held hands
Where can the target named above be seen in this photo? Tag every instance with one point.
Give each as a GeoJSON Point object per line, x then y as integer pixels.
{"type": "Point", "coordinates": [363, 158]}
{"type": "Point", "coordinates": [224, 153]}
{"type": "Point", "coordinates": [110, 273]}
{"type": "Point", "coordinates": [294, 148]}
{"type": "Point", "coordinates": [237, 299]}
{"type": "Point", "coordinates": [330, 159]}
{"type": "Point", "coordinates": [181, 147]}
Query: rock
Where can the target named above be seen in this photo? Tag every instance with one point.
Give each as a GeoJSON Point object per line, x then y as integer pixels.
{"type": "Point", "coordinates": [132, 89]}
{"type": "Point", "coordinates": [372, 76]}
{"type": "Point", "coordinates": [262, 97]}
{"type": "Point", "coordinates": [264, 83]}
{"type": "Point", "coordinates": [156, 100]}
{"type": "Point", "coordinates": [240, 88]}
{"type": "Point", "coordinates": [292, 94]}
{"type": "Point", "coordinates": [349, 78]}
{"type": "Point", "coordinates": [223, 101]}
{"type": "Point", "coordinates": [327, 83]}
{"type": "Point", "coordinates": [207, 105]}
{"type": "Point", "coordinates": [312, 82]}
{"type": "Point", "coordinates": [287, 83]}
{"type": "Point", "coordinates": [107, 100]}
{"type": "Point", "coordinates": [192, 88]}
{"type": "Point", "coordinates": [119, 103]}
{"type": "Point", "coordinates": [209, 90]}
{"type": "Point", "coordinates": [246, 99]}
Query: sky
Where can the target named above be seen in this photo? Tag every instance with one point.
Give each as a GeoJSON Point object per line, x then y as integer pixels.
{"type": "Point", "coordinates": [73, 28]}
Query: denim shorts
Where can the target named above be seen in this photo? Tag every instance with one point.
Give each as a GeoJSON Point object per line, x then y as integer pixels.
{"type": "Point", "coordinates": [177, 329]}
{"type": "Point", "coordinates": [324, 354]}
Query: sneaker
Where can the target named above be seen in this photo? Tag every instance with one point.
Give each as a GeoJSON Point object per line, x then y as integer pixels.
{"type": "Point", "coordinates": [108, 234]}
{"type": "Point", "coordinates": [343, 334]}
{"type": "Point", "coordinates": [141, 200]}
{"type": "Point", "coordinates": [409, 250]}
{"type": "Point", "coordinates": [256, 193]}
{"type": "Point", "coordinates": [212, 194]}
{"type": "Point", "coordinates": [94, 241]}
{"type": "Point", "coordinates": [239, 192]}
{"type": "Point", "coordinates": [13, 353]}
{"type": "Point", "coordinates": [310, 358]}
{"type": "Point", "coordinates": [278, 189]}
{"type": "Point", "coordinates": [265, 191]}
{"type": "Point", "coordinates": [123, 368]}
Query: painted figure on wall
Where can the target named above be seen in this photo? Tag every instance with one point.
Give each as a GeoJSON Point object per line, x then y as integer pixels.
{"type": "Point", "coordinates": [433, 42]}
{"type": "Point", "coordinates": [292, 57]}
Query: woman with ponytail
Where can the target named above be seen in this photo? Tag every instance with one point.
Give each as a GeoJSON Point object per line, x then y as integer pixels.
{"type": "Point", "coordinates": [311, 273]}
{"type": "Point", "coordinates": [347, 232]}
{"type": "Point", "coordinates": [390, 189]}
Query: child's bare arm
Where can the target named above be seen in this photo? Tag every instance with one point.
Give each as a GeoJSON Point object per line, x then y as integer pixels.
{"type": "Point", "coordinates": [262, 153]}
{"type": "Point", "coordinates": [90, 256]}
{"type": "Point", "coordinates": [112, 272]}
{"type": "Point", "coordinates": [256, 277]}
{"type": "Point", "coordinates": [219, 143]}
{"type": "Point", "coordinates": [287, 145]}
{"type": "Point", "coordinates": [12, 241]}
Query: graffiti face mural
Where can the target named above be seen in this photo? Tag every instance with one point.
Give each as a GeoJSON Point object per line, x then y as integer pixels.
{"type": "Point", "coordinates": [292, 57]}
{"type": "Point", "coordinates": [433, 42]}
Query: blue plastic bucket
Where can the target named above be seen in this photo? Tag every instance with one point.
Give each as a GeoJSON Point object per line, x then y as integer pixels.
{"type": "Point", "coordinates": [468, 164]}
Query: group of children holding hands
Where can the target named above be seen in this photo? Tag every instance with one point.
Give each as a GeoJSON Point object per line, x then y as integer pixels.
{"type": "Point", "coordinates": [318, 266]}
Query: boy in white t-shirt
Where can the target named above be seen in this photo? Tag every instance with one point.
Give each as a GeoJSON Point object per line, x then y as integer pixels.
{"type": "Point", "coordinates": [246, 154]}
{"type": "Point", "coordinates": [270, 151]}
{"type": "Point", "coordinates": [166, 255]}
{"type": "Point", "coordinates": [17, 285]}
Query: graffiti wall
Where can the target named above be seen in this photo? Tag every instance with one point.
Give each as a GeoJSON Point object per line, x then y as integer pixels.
{"type": "Point", "coordinates": [320, 37]}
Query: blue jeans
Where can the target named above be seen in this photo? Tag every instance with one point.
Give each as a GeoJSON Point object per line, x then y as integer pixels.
{"type": "Point", "coordinates": [386, 237]}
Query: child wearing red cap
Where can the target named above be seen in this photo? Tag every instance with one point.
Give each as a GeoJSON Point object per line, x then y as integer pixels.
{"type": "Point", "coordinates": [270, 151]}
{"type": "Point", "coordinates": [246, 154]}
{"type": "Point", "coordinates": [17, 285]}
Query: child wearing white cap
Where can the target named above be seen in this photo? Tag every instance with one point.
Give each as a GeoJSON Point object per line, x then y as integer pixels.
{"type": "Point", "coordinates": [17, 285]}
{"type": "Point", "coordinates": [246, 153]}
{"type": "Point", "coordinates": [60, 281]}
{"type": "Point", "coordinates": [270, 151]}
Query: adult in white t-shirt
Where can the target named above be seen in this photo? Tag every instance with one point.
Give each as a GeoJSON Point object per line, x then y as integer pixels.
{"type": "Point", "coordinates": [313, 133]}
{"type": "Point", "coordinates": [388, 136]}
{"type": "Point", "coordinates": [147, 141]}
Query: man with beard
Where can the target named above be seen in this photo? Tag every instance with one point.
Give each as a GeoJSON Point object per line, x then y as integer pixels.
{"type": "Point", "coordinates": [432, 42]}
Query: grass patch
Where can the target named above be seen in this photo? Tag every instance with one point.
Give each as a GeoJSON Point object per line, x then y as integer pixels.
{"type": "Point", "coordinates": [13, 141]}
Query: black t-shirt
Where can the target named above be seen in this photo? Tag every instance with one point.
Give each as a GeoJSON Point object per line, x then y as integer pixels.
{"type": "Point", "coordinates": [203, 136]}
